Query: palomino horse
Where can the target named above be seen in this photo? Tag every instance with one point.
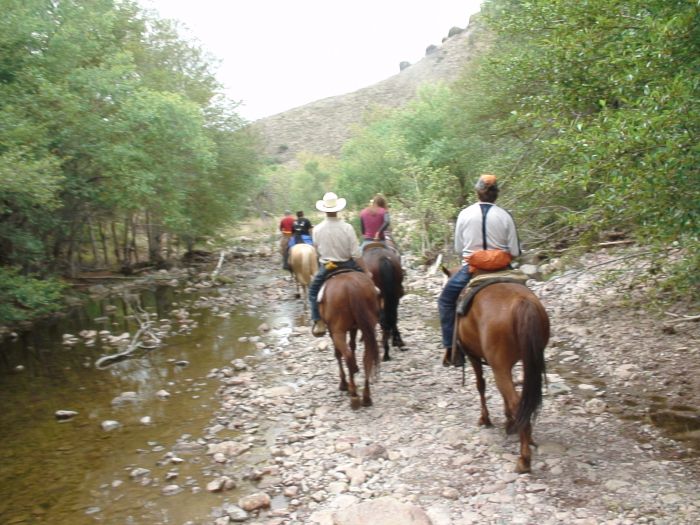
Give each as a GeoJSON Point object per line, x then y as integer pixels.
{"type": "Point", "coordinates": [349, 303]}
{"type": "Point", "coordinates": [506, 324]}
{"type": "Point", "coordinates": [385, 266]}
{"type": "Point", "coordinates": [303, 264]}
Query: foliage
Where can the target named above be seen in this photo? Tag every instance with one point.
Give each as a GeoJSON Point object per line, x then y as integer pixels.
{"type": "Point", "coordinates": [109, 118]}
{"type": "Point", "coordinates": [25, 297]}
{"type": "Point", "coordinates": [588, 112]}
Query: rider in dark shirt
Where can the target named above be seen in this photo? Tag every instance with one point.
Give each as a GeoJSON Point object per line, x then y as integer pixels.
{"type": "Point", "coordinates": [302, 227]}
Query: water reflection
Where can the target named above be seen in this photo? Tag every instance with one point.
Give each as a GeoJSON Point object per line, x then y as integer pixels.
{"type": "Point", "coordinates": [74, 472]}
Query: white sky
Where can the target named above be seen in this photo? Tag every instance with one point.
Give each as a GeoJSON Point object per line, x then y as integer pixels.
{"type": "Point", "coordinates": [279, 54]}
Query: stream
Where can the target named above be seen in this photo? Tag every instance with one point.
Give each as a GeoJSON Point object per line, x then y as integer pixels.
{"type": "Point", "coordinates": [74, 471]}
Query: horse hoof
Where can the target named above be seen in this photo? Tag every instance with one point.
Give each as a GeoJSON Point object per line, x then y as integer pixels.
{"type": "Point", "coordinates": [298, 296]}
{"type": "Point", "coordinates": [486, 423]}
{"type": "Point", "coordinates": [403, 348]}
{"type": "Point", "coordinates": [343, 387]}
{"type": "Point", "coordinates": [355, 402]}
{"type": "Point", "coordinates": [367, 402]}
{"type": "Point", "coordinates": [386, 358]}
{"type": "Point", "coordinates": [522, 467]}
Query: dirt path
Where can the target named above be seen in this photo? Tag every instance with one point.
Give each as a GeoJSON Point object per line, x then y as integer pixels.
{"type": "Point", "coordinates": [418, 451]}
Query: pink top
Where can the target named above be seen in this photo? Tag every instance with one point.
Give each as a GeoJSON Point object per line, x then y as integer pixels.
{"type": "Point", "coordinates": [372, 222]}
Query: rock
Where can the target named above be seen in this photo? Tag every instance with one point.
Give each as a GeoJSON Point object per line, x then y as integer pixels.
{"type": "Point", "coordinates": [171, 490]}
{"type": "Point", "coordinates": [146, 420]}
{"type": "Point", "coordinates": [220, 484]}
{"type": "Point", "coordinates": [64, 415]}
{"type": "Point", "coordinates": [235, 513]}
{"type": "Point", "coordinates": [125, 398]}
{"type": "Point", "coordinates": [454, 30]}
{"type": "Point", "coordinates": [162, 394]}
{"type": "Point", "coordinates": [373, 451]}
{"type": "Point", "coordinates": [596, 406]}
{"type": "Point", "coordinates": [109, 425]}
{"type": "Point", "coordinates": [256, 501]}
{"type": "Point", "coordinates": [227, 448]}
{"type": "Point", "coordinates": [381, 511]}
{"type": "Point", "coordinates": [139, 472]}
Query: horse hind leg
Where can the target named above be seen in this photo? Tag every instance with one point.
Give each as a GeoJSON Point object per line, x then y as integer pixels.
{"type": "Point", "coordinates": [396, 339]}
{"type": "Point", "coordinates": [346, 353]}
{"type": "Point", "coordinates": [523, 464]}
{"type": "Point", "coordinates": [343, 387]}
{"type": "Point", "coordinates": [484, 420]}
{"type": "Point", "coordinates": [511, 398]}
{"type": "Point", "coordinates": [385, 343]}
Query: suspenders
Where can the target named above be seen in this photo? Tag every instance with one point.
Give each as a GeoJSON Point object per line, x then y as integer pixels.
{"type": "Point", "coordinates": [484, 210]}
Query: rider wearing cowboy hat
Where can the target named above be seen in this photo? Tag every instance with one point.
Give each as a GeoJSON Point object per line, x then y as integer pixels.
{"type": "Point", "coordinates": [336, 243]}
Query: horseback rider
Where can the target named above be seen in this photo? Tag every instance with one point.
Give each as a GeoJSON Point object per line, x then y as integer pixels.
{"type": "Point", "coordinates": [301, 230]}
{"type": "Point", "coordinates": [473, 234]}
{"type": "Point", "coordinates": [374, 221]}
{"type": "Point", "coordinates": [337, 247]}
{"type": "Point", "coordinates": [286, 227]}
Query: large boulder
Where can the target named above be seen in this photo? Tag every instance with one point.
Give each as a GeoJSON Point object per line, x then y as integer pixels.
{"type": "Point", "coordinates": [381, 511]}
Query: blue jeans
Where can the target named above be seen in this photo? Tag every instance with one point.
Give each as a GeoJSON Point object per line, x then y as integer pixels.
{"type": "Point", "coordinates": [314, 288]}
{"type": "Point", "coordinates": [447, 303]}
{"type": "Point", "coordinates": [318, 281]}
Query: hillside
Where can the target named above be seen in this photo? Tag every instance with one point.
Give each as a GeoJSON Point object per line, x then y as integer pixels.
{"type": "Point", "coordinates": [321, 127]}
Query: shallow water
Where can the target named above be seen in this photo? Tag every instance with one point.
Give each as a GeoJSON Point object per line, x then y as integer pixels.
{"type": "Point", "coordinates": [74, 472]}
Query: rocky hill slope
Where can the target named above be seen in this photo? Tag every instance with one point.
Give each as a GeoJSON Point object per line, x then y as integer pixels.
{"type": "Point", "coordinates": [321, 127]}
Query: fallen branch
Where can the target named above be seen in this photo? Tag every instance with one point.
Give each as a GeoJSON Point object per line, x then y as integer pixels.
{"type": "Point", "coordinates": [144, 328]}
{"type": "Point", "coordinates": [574, 272]}
{"type": "Point", "coordinates": [219, 265]}
{"type": "Point", "coordinates": [615, 243]}
{"type": "Point", "coordinates": [683, 318]}
{"type": "Point", "coordinates": [435, 265]}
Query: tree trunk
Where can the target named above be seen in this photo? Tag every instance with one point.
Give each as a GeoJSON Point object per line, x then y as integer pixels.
{"type": "Point", "coordinates": [115, 240]}
{"type": "Point", "coordinates": [93, 242]}
{"type": "Point", "coordinates": [134, 248]}
{"type": "Point", "coordinates": [103, 242]}
{"type": "Point", "coordinates": [155, 236]}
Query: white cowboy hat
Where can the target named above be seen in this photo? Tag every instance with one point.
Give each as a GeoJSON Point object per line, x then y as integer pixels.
{"type": "Point", "coordinates": [330, 203]}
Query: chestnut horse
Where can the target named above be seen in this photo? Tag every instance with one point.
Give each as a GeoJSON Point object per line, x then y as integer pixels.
{"type": "Point", "coordinates": [349, 303]}
{"type": "Point", "coordinates": [385, 266]}
{"type": "Point", "coordinates": [507, 323]}
{"type": "Point", "coordinates": [303, 264]}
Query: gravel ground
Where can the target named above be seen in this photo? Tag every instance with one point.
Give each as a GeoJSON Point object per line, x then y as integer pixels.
{"type": "Point", "coordinates": [621, 386]}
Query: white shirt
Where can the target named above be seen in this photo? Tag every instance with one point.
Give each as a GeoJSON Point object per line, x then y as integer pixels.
{"type": "Point", "coordinates": [335, 240]}
{"type": "Point", "coordinates": [500, 230]}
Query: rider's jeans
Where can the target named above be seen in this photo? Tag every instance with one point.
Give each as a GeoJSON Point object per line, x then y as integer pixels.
{"type": "Point", "coordinates": [447, 303]}
{"type": "Point", "coordinates": [314, 288]}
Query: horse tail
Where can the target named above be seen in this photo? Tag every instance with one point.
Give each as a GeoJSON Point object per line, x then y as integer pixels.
{"type": "Point", "coordinates": [531, 326]}
{"type": "Point", "coordinates": [366, 323]}
{"type": "Point", "coordinates": [391, 291]}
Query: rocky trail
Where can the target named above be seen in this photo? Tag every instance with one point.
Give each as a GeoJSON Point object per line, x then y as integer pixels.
{"type": "Point", "coordinates": [417, 456]}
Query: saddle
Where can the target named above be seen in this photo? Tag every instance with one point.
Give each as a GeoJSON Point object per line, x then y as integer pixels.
{"type": "Point", "coordinates": [481, 281]}
{"type": "Point", "coordinates": [332, 273]}
{"type": "Point", "coordinates": [372, 245]}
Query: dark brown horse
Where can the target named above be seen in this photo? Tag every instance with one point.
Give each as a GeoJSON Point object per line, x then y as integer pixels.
{"type": "Point", "coordinates": [506, 324]}
{"type": "Point", "coordinates": [387, 274]}
{"type": "Point", "coordinates": [349, 303]}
